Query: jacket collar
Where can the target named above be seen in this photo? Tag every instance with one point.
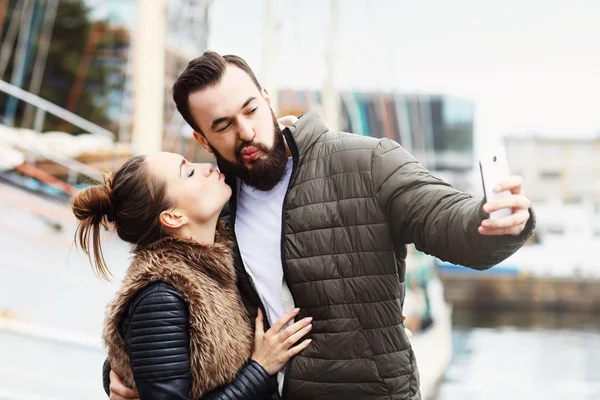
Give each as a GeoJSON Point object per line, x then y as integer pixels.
{"type": "Point", "coordinates": [305, 132]}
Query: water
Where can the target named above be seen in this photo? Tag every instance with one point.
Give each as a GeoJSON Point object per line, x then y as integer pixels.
{"type": "Point", "coordinates": [508, 355]}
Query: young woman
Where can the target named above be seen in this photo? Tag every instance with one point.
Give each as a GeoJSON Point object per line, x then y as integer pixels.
{"type": "Point", "coordinates": [177, 328]}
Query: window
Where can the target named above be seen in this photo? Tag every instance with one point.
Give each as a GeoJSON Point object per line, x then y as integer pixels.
{"type": "Point", "coordinates": [550, 175]}
{"type": "Point", "coordinates": [556, 230]}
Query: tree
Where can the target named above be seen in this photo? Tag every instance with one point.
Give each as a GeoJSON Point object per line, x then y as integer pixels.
{"type": "Point", "coordinates": [72, 41]}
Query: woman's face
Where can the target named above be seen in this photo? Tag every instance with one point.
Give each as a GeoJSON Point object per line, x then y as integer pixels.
{"type": "Point", "coordinates": [198, 191]}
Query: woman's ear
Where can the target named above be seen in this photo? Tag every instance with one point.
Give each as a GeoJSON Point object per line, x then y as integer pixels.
{"type": "Point", "coordinates": [173, 219]}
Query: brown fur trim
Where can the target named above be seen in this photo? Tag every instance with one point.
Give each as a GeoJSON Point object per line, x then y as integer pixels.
{"type": "Point", "coordinates": [220, 334]}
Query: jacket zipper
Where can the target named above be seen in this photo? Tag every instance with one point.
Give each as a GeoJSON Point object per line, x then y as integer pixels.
{"type": "Point", "coordinates": [295, 161]}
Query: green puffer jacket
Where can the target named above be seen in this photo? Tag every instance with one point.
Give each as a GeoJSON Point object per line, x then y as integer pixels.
{"type": "Point", "coordinates": [352, 205]}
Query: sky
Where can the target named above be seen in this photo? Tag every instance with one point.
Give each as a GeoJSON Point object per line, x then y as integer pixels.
{"type": "Point", "coordinates": [530, 66]}
{"type": "Point", "coordinates": [117, 11]}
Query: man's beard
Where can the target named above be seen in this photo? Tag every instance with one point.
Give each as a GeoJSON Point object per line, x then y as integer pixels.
{"type": "Point", "coordinates": [266, 172]}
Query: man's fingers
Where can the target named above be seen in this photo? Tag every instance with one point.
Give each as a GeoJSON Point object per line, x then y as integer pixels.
{"type": "Point", "coordinates": [287, 120]}
{"type": "Point", "coordinates": [514, 184]}
{"type": "Point", "coordinates": [118, 390]}
{"type": "Point", "coordinates": [515, 230]}
{"type": "Point", "coordinates": [514, 201]}
{"type": "Point", "coordinates": [129, 394]}
{"type": "Point", "coordinates": [114, 396]}
{"type": "Point", "coordinates": [518, 218]}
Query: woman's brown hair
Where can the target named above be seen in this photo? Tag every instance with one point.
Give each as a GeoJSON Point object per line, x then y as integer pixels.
{"type": "Point", "coordinates": [130, 201]}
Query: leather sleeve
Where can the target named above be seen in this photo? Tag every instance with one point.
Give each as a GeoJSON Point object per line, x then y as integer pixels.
{"type": "Point", "coordinates": [158, 343]}
{"type": "Point", "coordinates": [157, 336]}
{"type": "Point", "coordinates": [252, 382]}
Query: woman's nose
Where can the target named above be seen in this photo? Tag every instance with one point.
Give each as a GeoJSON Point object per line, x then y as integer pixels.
{"type": "Point", "coordinates": [206, 168]}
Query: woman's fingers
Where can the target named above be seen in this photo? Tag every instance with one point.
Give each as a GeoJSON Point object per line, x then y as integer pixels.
{"type": "Point", "coordinates": [283, 320]}
{"type": "Point", "coordinates": [292, 339]}
{"type": "Point", "coordinates": [297, 349]}
{"type": "Point", "coordinates": [289, 331]}
{"type": "Point", "coordinates": [259, 329]}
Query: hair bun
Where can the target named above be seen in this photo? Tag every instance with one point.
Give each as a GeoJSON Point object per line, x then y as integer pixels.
{"type": "Point", "coordinates": [94, 204]}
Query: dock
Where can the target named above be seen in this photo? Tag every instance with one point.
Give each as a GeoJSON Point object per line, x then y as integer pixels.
{"type": "Point", "coordinates": [521, 292]}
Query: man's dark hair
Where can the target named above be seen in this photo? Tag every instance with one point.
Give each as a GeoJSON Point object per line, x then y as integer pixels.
{"type": "Point", "coordinates": [202, 72]}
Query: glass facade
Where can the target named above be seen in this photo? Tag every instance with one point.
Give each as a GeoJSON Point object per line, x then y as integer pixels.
{"type": "Point", "coordinates": [438, 130]}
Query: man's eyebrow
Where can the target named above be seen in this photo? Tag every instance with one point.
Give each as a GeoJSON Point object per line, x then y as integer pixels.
{"type": "Point", "coordinates": [250, 100]}
{"type": "Point", "coordinates": [224, 119]}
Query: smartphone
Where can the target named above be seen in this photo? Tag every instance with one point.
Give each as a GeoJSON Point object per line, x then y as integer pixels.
{"type": "Point", "coordinates": [494, 170]}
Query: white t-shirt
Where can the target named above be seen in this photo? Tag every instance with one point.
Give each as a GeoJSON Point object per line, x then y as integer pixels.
{"type": "Point", "coordinates": [258, 228]}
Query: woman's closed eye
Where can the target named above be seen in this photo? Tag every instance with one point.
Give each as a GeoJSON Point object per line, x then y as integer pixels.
{"type": "Point", "coordinates": [191, 173]}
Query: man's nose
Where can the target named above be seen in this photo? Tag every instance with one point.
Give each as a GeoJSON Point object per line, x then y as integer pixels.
{"type": "Point", "coordinates": [246, 132]}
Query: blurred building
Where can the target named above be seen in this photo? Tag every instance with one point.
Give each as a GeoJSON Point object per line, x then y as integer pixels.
{"type": "Point", "coordinates": [112, 52]}
{"type": "Point", "coordinates": [186, 39]}
{"type": "Point", "coordinates": [559, 169]}
{"type": "Point", "coordinates": [437, 130]}
{"type": "Point", "coordinates": [186, 34]}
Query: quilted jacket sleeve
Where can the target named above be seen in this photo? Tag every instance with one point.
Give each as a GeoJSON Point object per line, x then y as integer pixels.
{"type": "Point", "coordinates": [157, 337]}
{"type": "Point", "coordinates": [430, 213]}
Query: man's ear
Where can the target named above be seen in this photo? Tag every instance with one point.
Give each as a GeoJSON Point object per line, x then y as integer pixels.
{"type": "Point", "coordinates": [266, 95]}
{"type": "Point", "coordinates": [203, 142]}
{"type": "Point", "coordinates": [172, 219]}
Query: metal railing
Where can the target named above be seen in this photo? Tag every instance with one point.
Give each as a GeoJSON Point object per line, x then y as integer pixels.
{"type": "Point", "coordinates": [43, 106]}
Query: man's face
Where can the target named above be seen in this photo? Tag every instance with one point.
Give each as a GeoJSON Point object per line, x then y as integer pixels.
{"type": "Point", "coordinates": [240, 128]}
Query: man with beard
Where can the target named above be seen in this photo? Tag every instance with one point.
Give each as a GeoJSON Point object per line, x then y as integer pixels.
{"type": "Point", "coordinates": [322, 220]}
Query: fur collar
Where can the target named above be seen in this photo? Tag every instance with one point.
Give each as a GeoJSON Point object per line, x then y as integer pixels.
{"type": "Point", "coordinates": [220, 334]}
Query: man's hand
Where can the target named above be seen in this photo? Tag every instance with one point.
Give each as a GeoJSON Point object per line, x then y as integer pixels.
{"type": "Point", "coordinates": [515, 223]}
{"type": "Point", "coordinates": [287, 120]}
{"type": "Point", "coordinates": [118, 391]}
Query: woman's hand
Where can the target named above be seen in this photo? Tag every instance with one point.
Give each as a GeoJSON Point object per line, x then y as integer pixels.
{"type": "Point", "coordinates": [273, 348]}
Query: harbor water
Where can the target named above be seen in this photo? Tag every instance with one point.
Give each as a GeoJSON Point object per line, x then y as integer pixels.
{"type": "Point", "coordinates": [522, 355]}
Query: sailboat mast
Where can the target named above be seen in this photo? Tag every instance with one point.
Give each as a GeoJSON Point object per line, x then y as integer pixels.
{"type": "Point", "coordinates": [330, 99]}
{"type": "Point", "coordinates": [41, 56]}
{"type": "Point", "coordinates": [149, 76]}
{"type": "Point", "coordinates": [268, 76]}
